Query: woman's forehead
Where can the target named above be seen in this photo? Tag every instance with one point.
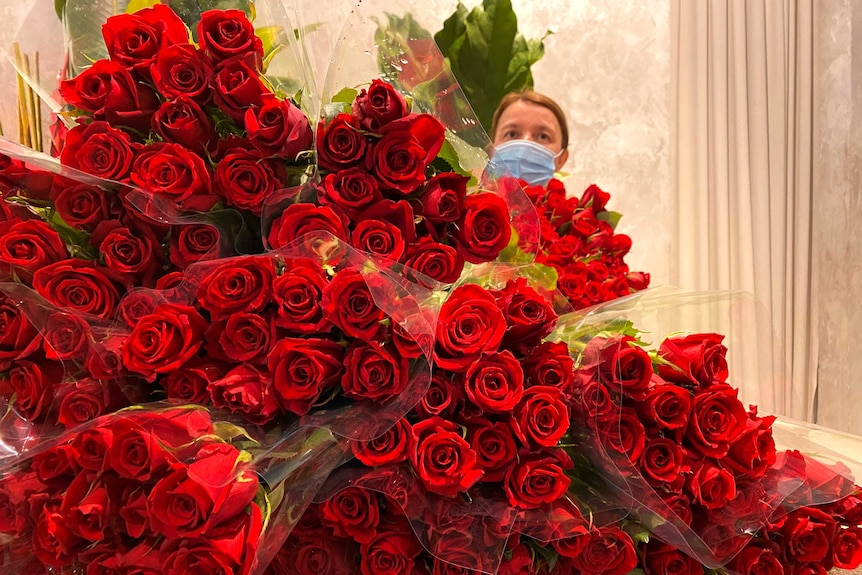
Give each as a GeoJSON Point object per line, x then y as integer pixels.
{"type": "Point", "coordinates": [527, 114]}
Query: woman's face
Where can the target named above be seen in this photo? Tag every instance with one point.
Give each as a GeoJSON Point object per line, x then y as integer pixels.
{"type": "Point", "coordinates": [524, 120]}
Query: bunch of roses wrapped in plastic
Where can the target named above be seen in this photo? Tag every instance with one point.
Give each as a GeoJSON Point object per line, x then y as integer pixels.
{"type": "Point", "coordinates": [184, 249]}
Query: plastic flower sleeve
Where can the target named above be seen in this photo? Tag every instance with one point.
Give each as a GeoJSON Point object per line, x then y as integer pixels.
{"type": "Point", "coordinates": [382, 40]}
{"type": "Point", "coordinates": [155, 486]}
{"type": "Point", "coordinates": [660, 420]}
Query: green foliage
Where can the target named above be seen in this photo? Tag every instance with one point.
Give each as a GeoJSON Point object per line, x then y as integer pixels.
{"type": "Point", "coordinates": [487, 54]}
{"type": "Point", "coordinates": [135, 5]}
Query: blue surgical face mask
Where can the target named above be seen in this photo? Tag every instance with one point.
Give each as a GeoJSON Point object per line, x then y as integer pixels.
{"type": "Point", "coordinates": [529, 161]}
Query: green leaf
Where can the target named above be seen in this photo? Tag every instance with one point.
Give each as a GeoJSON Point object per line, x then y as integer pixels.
{"type": "Point", "coordinates": [450, 156]}
{"type": "Point", "coordinates": [453, 27]}
{"type": "Point", "coordinates": [60, 8]}
{"type": "Point", "coordinates": [345, 96]}
{"type": "Point", "coordinates": [135, 5]}
{"type": "Point", "coordinates": [613, 218]}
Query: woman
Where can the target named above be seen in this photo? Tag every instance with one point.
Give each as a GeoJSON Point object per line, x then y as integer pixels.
{"type": "Point", "coordinates": [531, 137]}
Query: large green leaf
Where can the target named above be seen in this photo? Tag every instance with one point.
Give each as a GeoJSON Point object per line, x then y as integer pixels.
{"type": "Point", "coordinates": [453, 27]}
{"type": "Point", "coordinates": [487, 55]}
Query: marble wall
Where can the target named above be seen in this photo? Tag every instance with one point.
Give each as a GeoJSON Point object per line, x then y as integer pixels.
{"type": "Point", "coordinates": [838, 212]}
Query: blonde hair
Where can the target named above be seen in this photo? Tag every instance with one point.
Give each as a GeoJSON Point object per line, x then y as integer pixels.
{"type": "Point", "coordinates": [533, 98]}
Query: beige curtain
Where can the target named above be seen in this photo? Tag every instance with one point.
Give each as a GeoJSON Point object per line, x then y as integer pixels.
{"type": "Point", "coordinates": [741, 157]}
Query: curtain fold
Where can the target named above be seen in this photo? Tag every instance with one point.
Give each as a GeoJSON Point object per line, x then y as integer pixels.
{"type": "Point", "coordinates": [741, 153]}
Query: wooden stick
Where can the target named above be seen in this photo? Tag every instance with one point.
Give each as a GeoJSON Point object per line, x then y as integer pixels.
{"type": "Point", "coordinates": [23, 130]}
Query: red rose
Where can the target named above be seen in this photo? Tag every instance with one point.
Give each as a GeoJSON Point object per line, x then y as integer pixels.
{"type": "Point", "coordinates": [442, 398]}
{"type": "Point", "coordinates": [136, 304]}
{"type": "Point", "coordinates": [181, 70]}
{"type": "Point", "coordinates": [298, 293]}
{"type": "Point", "coordinates": [378, 238]}
{"type": "Point", "coordinates": [393, 446]}
{"type": "Point", "coordinates": [373, 372]}
{"type": "Point", "coordinates": [86, 400]}
{"type": "Point", "coordinates": [470, 323]}
{"type": "Point", "coordinates": [638, 280]}
{"type": "Point", "coordinates": [753, 452]}
{"type": "Point", "coordinates": [88, 508]}
{"type": "Point", "coordinates": [398, 213]}
{"type": "Point", "coordinates": [278, 128]}
{"type": "Point", "coordinates": [108, 91]}
{"type": "Point", "coordinates": [717, 420]}
{"type": "Point", "coordinates": [93, 448]}
{"type": "Point", "coordinates": [758, 558]}
{"type": "Point", "coordinates": [176, 172]}
{"type": "Point", "coordinates": [163, 341]}
{"type": "Point", "coordinates": [340, 144]}
{"type": "Point", "coordinates": [242, 337]}
{"type": "Point", "coordinates": [594, 197]}
{"type": "Point", "coordinates": [133, 253]}
{"type": "Point", "coordinates": [100, 150]}
{"type": "Point", "coordinates": [246, 391]}
{"type": "Point", "coordinates": [136, 453]}
{"type": "Point", "coordinates": [237, 88]}
{"type": "Point", "coordinates": [483, 230]}
{"type": "Point", "coordinates": [103, 359]}
{"type": "Point", "coordinates": [666, 406]}
{"type": "Point", "coordinates": [573, 285]}
{"type": "Point", "coordinates": [133, 510]}
{"type": "Point", "coordinates": [542, 417]}
{"type": "Point", "coordinates": [224, 34]}
{"type": "Point", "coordinates": [609, 551]}
{"type": "Point", "coordinates": [18, 337]}
{"type": "Point", "coordinates": [593, 400]}
{"type": "Point", "coordinates": [242, 284]}
{"type": "Point", "coordinates": [352, 513]}
{"type": "Point", "coordinates": [299, 220]}
{"type": "Point", "coordinates": [34, 386]}
{"type": "Point", "coordinates": [84, 207]}
{"type": "Point", "coordinates": [56, 466]}
{"type": "Point", "coordinates": [439, 262]}
{"type": "Point", "coordinates": [621, 432]}
{"type": "Point", "coordinates": [79, 285]}
{"type": "Point", "coordinates": [549, 364]}
{"type": "Point", "coordinates": [379, 105]}
{"type": "Point", "coordinates": [134, 40]}
{"type": "Point", "coordinates": [808, 534]}
{"type": "Point", "coordinates": [711, 486]}
{"type": "Point", "coordinates": [245, 180]}
{"type": "Point", "coordinates": [621, 364]}
{"type": "Point", "coordinates": [661, 461]}
{"type": "Point", "coordinates": [495, 382]}
{"type": "Point", "coordinates": [663, 559]}
{"type": "Point", "coordinates": [302, 369]}
{"type": "Point", "coordinates": [352, 190]}
{"type": "Point", "coordinates": [192, 243]}
{"type": "Point", "coordinates": [443, 197]}
{"type": "Point", "coordinates": [537, 478]}
{"type": "Point", "coordinates": [529, 316]}
{"type": "Point", "coordinates": [495, 448]}
{"type": "Point", "coordinates": [197, 497]}
{"type": "Point", "coordinates": [408, 145]}
{"type": "Point", "coordinates": [349, 305]}
{"type": "Point", "coordinates": [189, 383]}
{"type": "Point", "coordinates": [54, 541]}
{"type": "Point", "coordinates": [847, 548]}
{"type": "Point", "coordinates": [698, 359]}
{"type": "Point", "coordinates": [315, 555]}
{"type": "Point", "coordinates": [443, 460]}
{"type": "Point", "coordinates": [389, 553]}
{"type": "Point", "coordinates": [28, 245]}
{"type": "Point", "coordinates": [183, 122]}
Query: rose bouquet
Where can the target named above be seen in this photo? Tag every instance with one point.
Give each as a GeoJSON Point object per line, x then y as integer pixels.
{"type": "Point", "coordinates": [156, 490]}
{"type": "Point", "coordinates": [492, 462]}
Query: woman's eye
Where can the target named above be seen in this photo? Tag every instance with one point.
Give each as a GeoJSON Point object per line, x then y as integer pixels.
{"type": "Point", "coordinates": [544, 137]}
{"type": "Point", "coordinates": [510, 134]}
